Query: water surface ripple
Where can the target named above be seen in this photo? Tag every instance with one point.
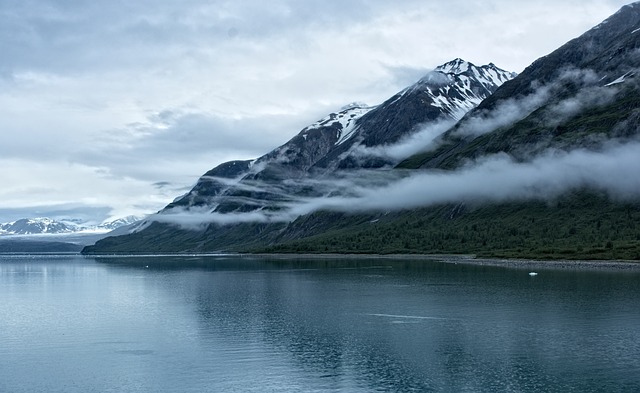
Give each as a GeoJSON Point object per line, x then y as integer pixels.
{"type": "Point", "coordinates": [228, 324]}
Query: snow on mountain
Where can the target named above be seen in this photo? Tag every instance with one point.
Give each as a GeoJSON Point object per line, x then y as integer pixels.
{"type": "Point", "coordinates": [45, 225]}
{"type": "Point", "coordinates": [340, 141]}
{"type": "Point", "coordinates": [459, 86]}
{"type": "Point", "coordinates": [456, 66]}
{"type": "Point", "coordinates": [444, 95]}
{"type": "Point", "coordinates": [29, 226]}
{"type": "Point", "coordinates": [346, 118]}
{"type": "Point", "coordinates": [490, 73]}
{"type": "Point", "coordinates": [621, 79]}
{"type": "Point", "coordinates": [117, 223]}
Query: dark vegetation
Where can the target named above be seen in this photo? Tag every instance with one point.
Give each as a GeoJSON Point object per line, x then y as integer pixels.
{"type": "Point", "coordinates": [581, 225]}
{"type": "Point", "coordinates": [25, 246]}
{"type": "Point", "coordinates": [578, 226]}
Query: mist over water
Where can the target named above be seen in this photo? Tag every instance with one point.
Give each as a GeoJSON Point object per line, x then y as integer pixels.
{"type": "Point", "coordinates": [192, 323]}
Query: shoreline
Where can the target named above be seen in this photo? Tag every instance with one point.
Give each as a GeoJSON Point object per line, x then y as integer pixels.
{"type": "Point", "coordinates": [558, 264]}
{"type": "Point", "coordinates": [616, 265]}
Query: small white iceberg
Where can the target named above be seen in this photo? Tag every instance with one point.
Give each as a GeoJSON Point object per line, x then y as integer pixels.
{"type": "Point", "coordinates": [533, 273]}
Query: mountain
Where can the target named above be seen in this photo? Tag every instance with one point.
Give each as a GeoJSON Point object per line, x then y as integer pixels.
{"type": "Point", "coordinates": [515, 170]}
{"type": "Point", "coordinates": [45, 225]}
{"type": "Point", "coordinates": [342, 140]}
{"type": "Point", "coordinates": [28, 226]}
{"type": "Point", "coordinates": [50, 235]}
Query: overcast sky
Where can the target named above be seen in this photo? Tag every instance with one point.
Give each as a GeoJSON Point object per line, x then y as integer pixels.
{"type": "Point", "coordinates": [113, 107]}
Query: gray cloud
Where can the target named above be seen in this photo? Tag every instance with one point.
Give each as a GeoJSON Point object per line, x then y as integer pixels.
{"type": "Point", "coordinates": [590, 94]}
{"type": "Point", "coordinates": [64, 36]}
{"type": "Point", "coordinates": [70, 36]}
{"type": "Point", "coordinates": [184, 139]}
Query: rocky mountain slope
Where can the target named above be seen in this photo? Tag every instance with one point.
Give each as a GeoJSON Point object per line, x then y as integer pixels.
{"type": "Point", "coordinates": [343, 140]}
{"type": "Point", "coordinates": [527, 172]}
{"type": "Point", "coordinates": [27, 226]}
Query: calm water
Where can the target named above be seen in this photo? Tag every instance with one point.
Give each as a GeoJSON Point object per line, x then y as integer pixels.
{"type": "Point", "coordinates": [215, 324]}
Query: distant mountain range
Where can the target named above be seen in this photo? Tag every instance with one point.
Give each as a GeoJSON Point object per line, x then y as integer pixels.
{"type": "Point", "coordinates": [467, 160]}
{"type": "Point", "coordinates": [44, 225]}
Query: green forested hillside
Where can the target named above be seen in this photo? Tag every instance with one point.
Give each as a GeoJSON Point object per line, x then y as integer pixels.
{"type": "Point", "coordinates": [582, 225]}
{"type": "Point", "coordinates": [578, 226]}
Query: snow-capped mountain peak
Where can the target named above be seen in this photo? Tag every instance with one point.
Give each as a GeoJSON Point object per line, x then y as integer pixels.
{"type": "Point", "coordinates": [46, 225]}
{"type": "Point", "coordinates": [345, 120]}
{"type": "Point", "coordinates": [486, 74]}
{"type": "Point", "coordinates": [29, 226]}
{"type": "Point", "coordinates": [458, 85]}
{"type": "Point", "coordinates": [456, 66]}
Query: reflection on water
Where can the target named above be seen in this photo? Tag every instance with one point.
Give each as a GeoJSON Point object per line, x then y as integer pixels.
{"type": "Point", "coordinates": [193, 323]}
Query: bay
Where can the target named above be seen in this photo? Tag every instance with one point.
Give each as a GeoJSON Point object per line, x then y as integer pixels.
{"type": "Point", "coordinates": [239, 324]}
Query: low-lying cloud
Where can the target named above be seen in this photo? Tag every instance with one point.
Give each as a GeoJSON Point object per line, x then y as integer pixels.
{"type": "Point", "coordinates": [509, 111]}
{"type": "Point", "coordinates": [492, 179]}
{"type": "Point", "coordinates": [421, 140]}
{"type": "Point", "coordinates": [499, 179]}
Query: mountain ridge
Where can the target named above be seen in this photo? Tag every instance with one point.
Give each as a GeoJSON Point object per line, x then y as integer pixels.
{"type": "Point", "coordinates": [336, 142]}
{"type": "Point", "coordinates": [46, 225]}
